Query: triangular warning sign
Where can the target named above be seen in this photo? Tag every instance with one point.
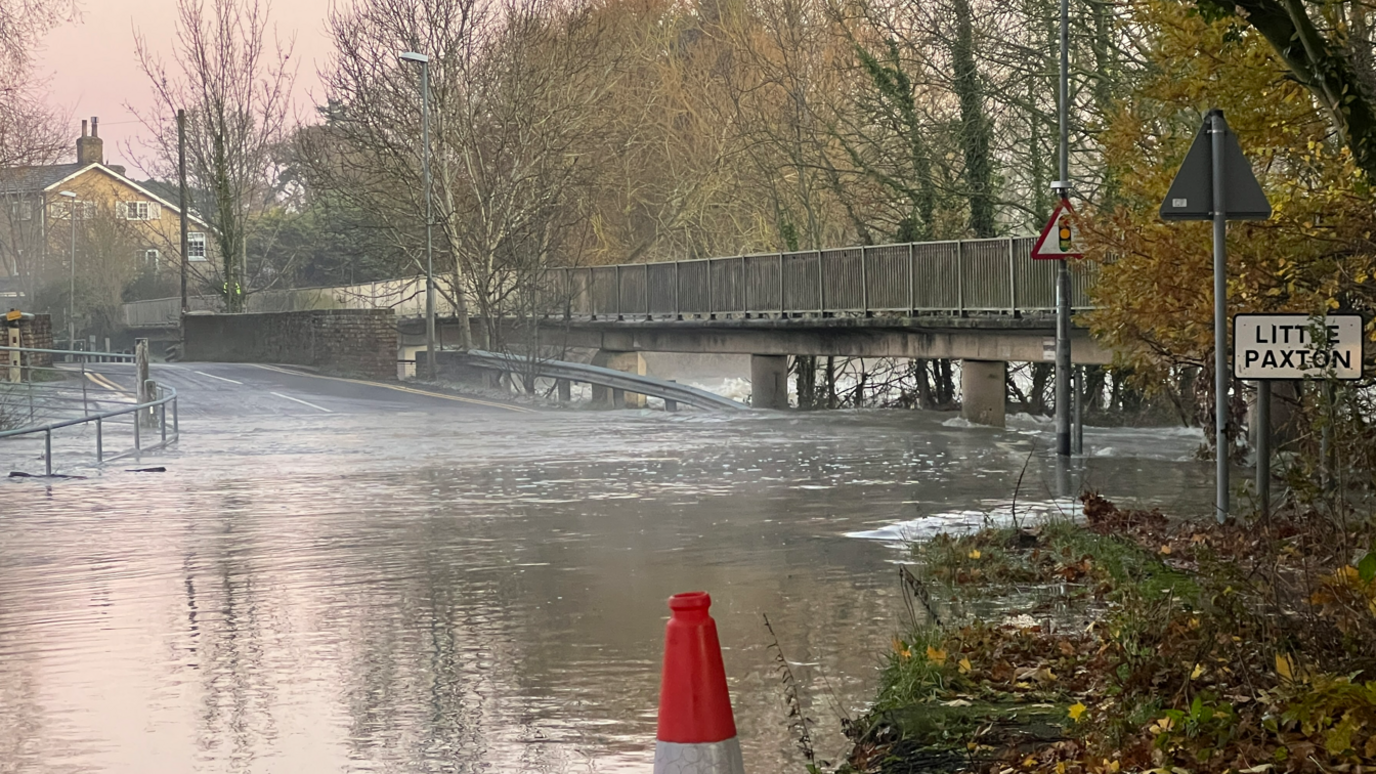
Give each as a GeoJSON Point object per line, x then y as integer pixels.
{"type": "Point", "coordinates": [1061, 237]}
{"type": "Point", "coordinates": [1191, 196]}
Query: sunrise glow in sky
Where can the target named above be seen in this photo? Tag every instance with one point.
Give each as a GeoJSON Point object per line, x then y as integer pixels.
{"type": "Point", "coordinates": [92, 70]}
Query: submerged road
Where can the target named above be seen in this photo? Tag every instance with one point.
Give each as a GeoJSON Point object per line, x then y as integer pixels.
{"type": "Point", "coordinates": [335, 576]}
{"type": "Point", "coordinates": [233, 389]}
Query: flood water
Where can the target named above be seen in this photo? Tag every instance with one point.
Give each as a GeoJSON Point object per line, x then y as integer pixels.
{"type": "Point", "coordinates": [415, 591]}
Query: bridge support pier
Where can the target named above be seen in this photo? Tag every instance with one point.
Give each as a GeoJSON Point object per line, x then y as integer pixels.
{"type": "Point", "coordinates": [982, 391]}
{"type": "Point", "coordinates": [631, 363]}
{"type": "Point", "coordinates": [565, 389]}
{"type": "Point", "coordinates": [769, 381]}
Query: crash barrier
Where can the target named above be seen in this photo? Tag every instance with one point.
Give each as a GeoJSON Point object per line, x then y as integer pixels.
{"type": "Point", "coordinates": [605, 377]}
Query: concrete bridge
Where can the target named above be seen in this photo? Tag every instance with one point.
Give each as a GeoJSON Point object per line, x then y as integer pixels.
{"type": "Point", "coordinates": [983, 302]}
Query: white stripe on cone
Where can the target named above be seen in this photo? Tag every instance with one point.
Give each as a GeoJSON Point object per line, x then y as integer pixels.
{"type": "Point", "coordinates": [699, 758]}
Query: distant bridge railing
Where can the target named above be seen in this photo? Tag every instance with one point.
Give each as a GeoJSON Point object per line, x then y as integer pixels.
{"type": "Point", "coordinates": [406, 296]}
{"type": "Point", "coordinates": [974, 275]}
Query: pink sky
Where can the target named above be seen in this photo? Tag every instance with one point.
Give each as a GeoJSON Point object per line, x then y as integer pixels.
{"type": "Point", "coordinates": [92, 69]}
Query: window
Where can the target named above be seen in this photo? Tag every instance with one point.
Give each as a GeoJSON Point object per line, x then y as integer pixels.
{"type": "Point", "coordinates": [22, 210]}
{"type": "Point", "coordinates": [150, 258]}
{"type": "Point", "coordinates": [138, 210]}
{"type": "Point", "coordinates": [88, 210]}
{"type": "Point", "coordinates": [195, 246]}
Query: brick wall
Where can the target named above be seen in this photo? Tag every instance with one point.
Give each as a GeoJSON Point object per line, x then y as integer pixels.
{"type": "Point", "coordinates": [37, 334]}
{"type": "Point", "coordinates": [361, 342]}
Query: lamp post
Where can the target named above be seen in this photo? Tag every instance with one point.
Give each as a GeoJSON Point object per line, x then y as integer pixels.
{"type": "Point", "coordinates": [71, 297]}
{"type": "Point", "coordinates": [424, 61]}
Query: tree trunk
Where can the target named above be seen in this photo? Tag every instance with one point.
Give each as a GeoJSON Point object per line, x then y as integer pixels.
{"type": "Point", "coordinates": [974, 135]}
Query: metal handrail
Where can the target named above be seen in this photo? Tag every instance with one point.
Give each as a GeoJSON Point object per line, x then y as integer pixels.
{"type": "Point", "coordinates": [121, 356]}
{"type": "Point", "coordinates": [972, 276]}
{"type": "Point", "coordinates": [166, 395]}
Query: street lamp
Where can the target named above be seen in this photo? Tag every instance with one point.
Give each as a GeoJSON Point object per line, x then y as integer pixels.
{"type": "Point", "coordinates": [71, 297]}
{"type": "Point", "coordinates": [424, 61]}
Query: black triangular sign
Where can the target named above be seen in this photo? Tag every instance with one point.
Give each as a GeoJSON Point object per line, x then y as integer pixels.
{"type": "Point", "coordinates": [1191, 196]}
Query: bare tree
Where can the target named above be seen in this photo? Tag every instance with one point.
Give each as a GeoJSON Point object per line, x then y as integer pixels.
{"type": "Point", "coordinates": [30, 131]}
{"type": "Point", "coordinates": [513, 91]}
{"type": "Point", "coordinates": [235, 86]}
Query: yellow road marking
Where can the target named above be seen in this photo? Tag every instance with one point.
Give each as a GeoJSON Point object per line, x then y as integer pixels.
{"type": "Point", "coordinates": [102, 380]}
{"type": "Point", "coordinates": [399, 388]}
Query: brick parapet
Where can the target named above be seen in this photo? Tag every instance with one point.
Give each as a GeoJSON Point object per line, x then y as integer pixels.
{"type": "Point", "coordinates": [361, 342]}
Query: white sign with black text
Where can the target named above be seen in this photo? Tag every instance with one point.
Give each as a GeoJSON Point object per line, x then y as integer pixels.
{"type": "Point", "coordinates": [1293, 346]}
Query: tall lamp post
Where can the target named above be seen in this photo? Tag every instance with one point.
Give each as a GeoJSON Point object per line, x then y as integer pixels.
{"type": "Point", "coordinates": [424, 61]}
{"type": "Point", "coordinates": [71, 297]}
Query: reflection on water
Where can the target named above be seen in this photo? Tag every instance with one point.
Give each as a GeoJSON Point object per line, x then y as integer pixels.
{"type": "Point", "coordinates": [406, 592]}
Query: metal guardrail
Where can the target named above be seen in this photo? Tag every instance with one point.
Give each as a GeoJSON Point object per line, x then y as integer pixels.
{"type": "Point", "coordinates": [606, 377]}
{"type": "Point", "coordinates": [975, 275]}
{"type": "Point", "coordinates": [152, 413]}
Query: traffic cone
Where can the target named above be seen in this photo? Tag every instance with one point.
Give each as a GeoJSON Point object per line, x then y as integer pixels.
{"type": "Point", "coordinates": [697, 733]}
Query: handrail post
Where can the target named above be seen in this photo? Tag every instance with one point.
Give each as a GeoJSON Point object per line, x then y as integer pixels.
{"type": "Point", "coordinates": [48, 452]}
{"type": "Point", "coordinates": [912, 280]}
{"type": "Point", "coordinates": [821, 285]}
{"type": "Point", "coordinates": [137, 422]}
{"type": "Point", "coordinates": [781, 285]}
{"type": "Point", "coordinates": [960, 277]}
{"type": "Point", "coordinates": [100, 441]}
{"type": "Point", "coordinates": [864, 284]}
{"type": "Point", "coordinates": [743, 290]}
{"type": "Point", "coordinates": [711, 297]}
{"type": "Point", "coordinates": [1012, 281]}
{"type": "Point", "coordinates": [162, 421]}
{"type": "Point", "coordinates": [176, 426]}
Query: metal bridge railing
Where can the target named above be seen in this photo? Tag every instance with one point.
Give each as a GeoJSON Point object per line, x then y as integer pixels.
{"type": "Point", "coordinates": [974, 275]}
{"type": "Point", "coordinates": [147, 417]}
{"type": "Point", "coordinates": [969, 276]}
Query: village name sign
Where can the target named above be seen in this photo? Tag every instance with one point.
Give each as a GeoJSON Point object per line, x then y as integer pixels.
{"type": "Point", "coordinates": [1293, 346]}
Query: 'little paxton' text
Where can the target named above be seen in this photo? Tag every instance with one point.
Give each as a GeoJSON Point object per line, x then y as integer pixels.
{"type": "Point", "coordinates": [1293, 346]}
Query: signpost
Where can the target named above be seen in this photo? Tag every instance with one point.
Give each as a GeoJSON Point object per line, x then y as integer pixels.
{"type": "Point", "coordinates": [1059, 240]}
{"type": "Point", "coordinates": [1216, 183]}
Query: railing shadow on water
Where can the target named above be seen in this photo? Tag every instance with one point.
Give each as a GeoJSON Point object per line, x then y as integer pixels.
{"type": "Point", "coordinates": [38, 399]}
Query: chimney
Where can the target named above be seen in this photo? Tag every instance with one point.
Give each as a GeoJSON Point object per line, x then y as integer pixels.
{"type": "Point", "coordinates": [90, 150]}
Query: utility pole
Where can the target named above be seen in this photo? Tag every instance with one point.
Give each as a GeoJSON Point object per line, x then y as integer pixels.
{"type": "Point", "coordinates": [424, 62]}
{"type": "Point", "coordinates": [181, 203]}
{"type": "Point", "coordinates": [71, 291]}
{"type": "Point", "coordinates": [1062, 268]}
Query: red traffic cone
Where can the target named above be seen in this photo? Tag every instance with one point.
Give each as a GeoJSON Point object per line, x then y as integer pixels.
{"type": "Point", "coordinates": [697, 733]}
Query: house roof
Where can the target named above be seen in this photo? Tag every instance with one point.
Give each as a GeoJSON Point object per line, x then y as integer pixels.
{"type": "Point", "coordinates": [35, 179]}
{"type": "Point", "coordinates": [46, 178]}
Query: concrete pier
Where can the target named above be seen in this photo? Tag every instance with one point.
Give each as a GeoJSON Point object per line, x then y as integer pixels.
{"type": "Point", "coordinates": [982, 391]}
{"type": "Point", "coordinates": [629, 362]}
{"type": "Point", "coordinates": [769, 381]}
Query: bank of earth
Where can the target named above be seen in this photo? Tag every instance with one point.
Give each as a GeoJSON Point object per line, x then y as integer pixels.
{"type": "Point", "coordinates": [1152, 644]}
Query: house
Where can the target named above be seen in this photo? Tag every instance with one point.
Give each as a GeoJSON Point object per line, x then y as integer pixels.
{"type": "Point", "coordinates": [42, 207]}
